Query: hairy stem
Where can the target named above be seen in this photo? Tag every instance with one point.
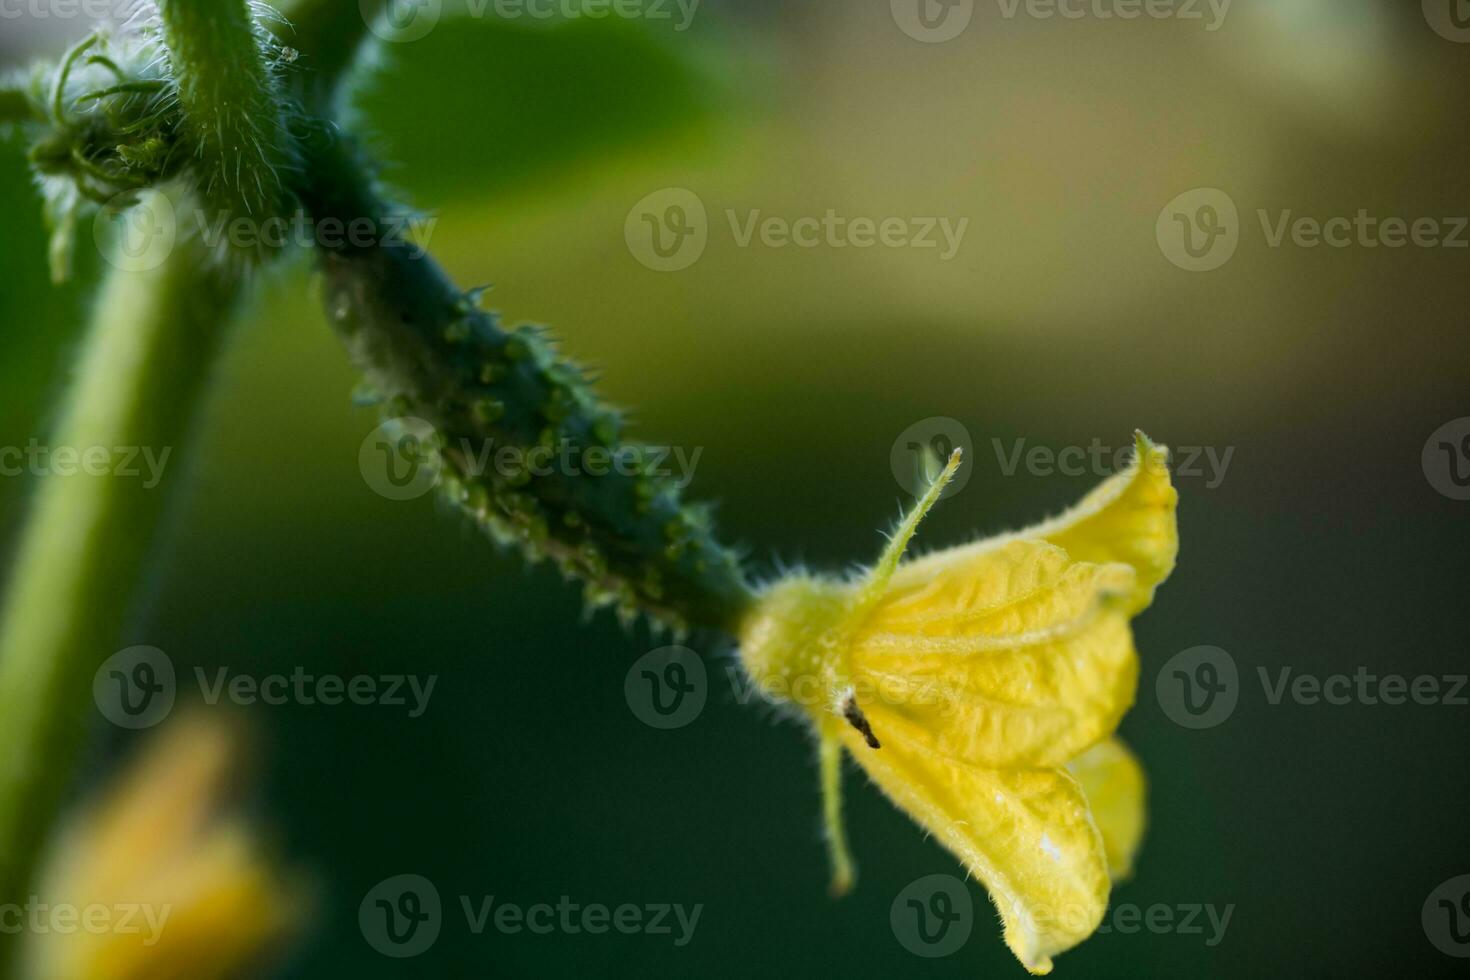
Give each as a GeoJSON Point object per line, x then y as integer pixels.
{"type": "Point", "coordinates": [140, 378]}
{"type": "Point", "coordinates": [233, 113]}
{"type": "Point", "coordinates": [517, 430]}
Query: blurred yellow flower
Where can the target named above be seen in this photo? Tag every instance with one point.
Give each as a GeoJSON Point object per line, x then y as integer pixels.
{"type": "Point", "coordinates": [154, 882]}
{"type": "Point", "coordinates": [980, 687]}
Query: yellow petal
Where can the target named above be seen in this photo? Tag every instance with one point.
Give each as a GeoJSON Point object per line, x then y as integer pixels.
{"type": "Point", "coordinates": [1017, 656]}
{"type": "Point", "coordinates": [1129, 518]}
{"type": "Point", "coordinates": [964, 682]}
{"type": "Point", "coordinates": [225, 908]}
{"type": "Point", "coordinates": [1113, 781]}
{"type": "Point", "coordinates": [1025, 833]}
{"type": "Point", "coordinates": [165, 798]}
{"type": "Point", "coordinates": [186, 891]}
{"type": "Point", "coordinates": [200, 919]}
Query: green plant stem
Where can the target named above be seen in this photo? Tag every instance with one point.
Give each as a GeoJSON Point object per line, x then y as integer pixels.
{"type": "Point", "coordinates": [233, 111]}
{"type": "Point", "coordinates": [153, 339]}
{"type": "Point", "coordinates": [140, 379]}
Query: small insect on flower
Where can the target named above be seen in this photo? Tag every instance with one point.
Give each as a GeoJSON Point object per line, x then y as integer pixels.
{"type": "Point", "coordinates": [980, 687]}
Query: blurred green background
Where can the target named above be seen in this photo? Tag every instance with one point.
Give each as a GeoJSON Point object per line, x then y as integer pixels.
{"type": "Point", "coordinates": [1323, 548]}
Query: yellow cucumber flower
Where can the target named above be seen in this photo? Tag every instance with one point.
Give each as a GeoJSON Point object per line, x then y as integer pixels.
{"type": "Point", "coordinates": [980, 687]}
{"type": "Point", "coordinates": [180, 887]}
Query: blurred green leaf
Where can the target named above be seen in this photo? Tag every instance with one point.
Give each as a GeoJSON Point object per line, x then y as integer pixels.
{"type": "Point", "coordinates": [482, 107]}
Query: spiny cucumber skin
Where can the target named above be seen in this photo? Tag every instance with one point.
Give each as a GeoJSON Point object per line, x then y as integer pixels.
{"type": "Point", "coordinates": [431, 353]}
{"type": "Point", "coordinates": [628, 537]}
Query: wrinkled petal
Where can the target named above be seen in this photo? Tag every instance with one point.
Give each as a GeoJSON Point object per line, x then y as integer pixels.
{"type": "Point", "coordinates": [1113, 781]}
{"type": "Point", "coordinates": [1129, 518]}
{"type": "Point", "coordinates": [1017, 656]}
{"type": "Point", "coordinates": [1026, 834]}
{"type": "Point", "coordinates": [979, 687]}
